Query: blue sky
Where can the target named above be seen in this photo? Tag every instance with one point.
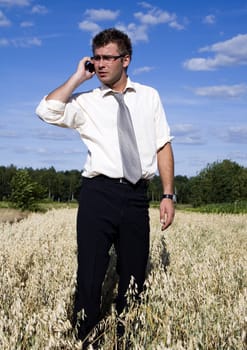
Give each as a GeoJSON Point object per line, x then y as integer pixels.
{"type": "Point", "coordinates": [193, 52]}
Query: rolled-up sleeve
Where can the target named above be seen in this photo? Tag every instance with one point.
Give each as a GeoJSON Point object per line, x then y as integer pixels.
{"type": "Point", "coordinates": [163, 135]}
{"type": "Point", "coordinates": [67, 115]}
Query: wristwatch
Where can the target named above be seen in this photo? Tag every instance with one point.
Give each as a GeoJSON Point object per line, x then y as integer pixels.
{"type": "Point", "coordinates": [169, 196]}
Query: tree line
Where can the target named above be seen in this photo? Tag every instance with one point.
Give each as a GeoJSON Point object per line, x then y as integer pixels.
{"type": "Point", "coordinates": [219, 182]}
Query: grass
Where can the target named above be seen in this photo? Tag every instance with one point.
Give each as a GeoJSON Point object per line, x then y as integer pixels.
{"type": "Point", "coordinates": [47, 205]}
{"type": "Point", "coordinates": [196, 287]}
{"type": "Point", "coordinates": [11, 215]}
{"type": "Point", "coordinates": [237, 207]}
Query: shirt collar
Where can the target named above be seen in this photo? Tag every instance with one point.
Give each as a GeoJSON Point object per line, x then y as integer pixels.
{"type": "Point", "coordinates": [105, 90]}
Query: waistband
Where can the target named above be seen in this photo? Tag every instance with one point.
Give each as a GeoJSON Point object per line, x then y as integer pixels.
{"type": "Point", "coordinates": [120, 180]}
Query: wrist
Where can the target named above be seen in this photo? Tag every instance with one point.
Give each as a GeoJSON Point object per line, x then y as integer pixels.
{"type": "Point", "coordinates": [76, 80]}
{"type": "Point", "coordinates": [170, 196]}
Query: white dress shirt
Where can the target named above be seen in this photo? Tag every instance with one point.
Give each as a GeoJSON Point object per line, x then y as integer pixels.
{"type": "Point", "coordinates": [94, 115]}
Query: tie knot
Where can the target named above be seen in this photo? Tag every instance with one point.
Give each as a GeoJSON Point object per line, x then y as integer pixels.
{"type": "Point", "coordinates": [119, 97]}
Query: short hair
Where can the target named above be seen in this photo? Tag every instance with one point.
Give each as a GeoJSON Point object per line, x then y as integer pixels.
{"type": "Point", "coordinates": [113, 35]}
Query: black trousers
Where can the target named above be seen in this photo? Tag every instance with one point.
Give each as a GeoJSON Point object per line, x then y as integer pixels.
{"type": "Point", "coordinates": [110, 212]}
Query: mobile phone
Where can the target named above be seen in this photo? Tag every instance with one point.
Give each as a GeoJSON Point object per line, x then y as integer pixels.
{"type": "Point", "coordinates": [89, 66]}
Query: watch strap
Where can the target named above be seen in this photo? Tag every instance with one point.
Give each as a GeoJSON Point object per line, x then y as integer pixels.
{"type": "Point", "coordinates": [169, 196]}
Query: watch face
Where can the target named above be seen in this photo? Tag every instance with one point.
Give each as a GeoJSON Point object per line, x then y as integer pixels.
{"type": "Point", "coordinates": [169, 196]}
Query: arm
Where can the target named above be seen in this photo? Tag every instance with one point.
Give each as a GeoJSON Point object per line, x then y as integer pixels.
{"type": "Point", "coordinates": [63, 92]}
{"type": "Point", "coordinates": [166, 171]}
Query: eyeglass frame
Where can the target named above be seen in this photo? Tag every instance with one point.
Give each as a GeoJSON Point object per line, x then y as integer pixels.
{"type": "Point", "coordinates": [107, 58]}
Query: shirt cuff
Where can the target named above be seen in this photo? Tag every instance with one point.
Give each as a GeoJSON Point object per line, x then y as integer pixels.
{"type": "Point", "coordinates": [55, 105]}
{"type": "Point", "coordinates": [161, 143]}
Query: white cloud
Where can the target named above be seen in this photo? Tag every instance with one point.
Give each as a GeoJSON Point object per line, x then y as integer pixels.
{"type": "Point", "coordinates": [187, 134]}
{"type": "Point", "coordinates": [92, 16]}
{"type": "Point", "coordinates": [26, 24]}
{"type": "Point", "coordinates": [4, 21]}
{"type": "Point", "coordinates": [101, 14]}
{"type": "Point", "coordinates": [89, 26]}
{"type": "Point", "coordinates": [153, 16]}
{"type": "Point", "coordinates": [229, 47]}
{"type": "Point", "coordinates": [176, 25]}
{"type": "Point", "coordinates": [227, 53]}
{"type": "Point", "coordinates": [4, 42]}
{"type": "Point", "coordinates": [56, 134]}
{"type": "Point", "coordinates": [137, 32]}
{"type": "Point", "coordinates": [180, 101]}
{"type": "Point", "coordinates": [20, 42]}
{"type": "Point", "coordinates": [27, 42]}
{"type": "Point", "coordinates": [72, 151]}
{"type": "Point", "coordinates": [189, 140]}
{"type": "Point", "coordinates": [183, 129]}
{"type": "Point", "coordinates": [156, 16]}
{"type": "Point", "coordinates": [39, 9]}
{"type": "Point", "coordinates": [236, 134]}
{"type": "Point", "coordinates": [145, 4]}
{"type": "Point", "coordinates": [15, 2]}
{"type": "Point", "coordinates": [198, 64]}
{"type": "Point", "coordinates": [209, 19]}
{"type": "Point", "coordinates": [48, 150]}
{"type": "Point", "coordinates": [241, 156]}
{"type": "Point", "coordinates": [140, 70]}
{"type": "Point", "coordinates": [221, 90]}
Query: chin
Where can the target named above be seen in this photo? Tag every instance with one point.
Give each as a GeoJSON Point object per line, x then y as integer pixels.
{"type": "Point", "coordinates": [106, 81]}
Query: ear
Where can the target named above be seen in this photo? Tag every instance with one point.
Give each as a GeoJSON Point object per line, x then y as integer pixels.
{"type": "Point", "coordinates": [126, 61]}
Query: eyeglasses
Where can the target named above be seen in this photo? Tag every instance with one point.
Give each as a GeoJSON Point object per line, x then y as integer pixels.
{"type": "Point", "coordinates": [106, 58]}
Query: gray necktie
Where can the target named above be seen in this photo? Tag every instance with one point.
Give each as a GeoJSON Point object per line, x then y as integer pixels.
{"type": "Point", "coordinates": [132, 170]}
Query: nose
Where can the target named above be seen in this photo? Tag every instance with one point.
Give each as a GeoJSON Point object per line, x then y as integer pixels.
{"type": "Point", "coordinates": [101, 62]}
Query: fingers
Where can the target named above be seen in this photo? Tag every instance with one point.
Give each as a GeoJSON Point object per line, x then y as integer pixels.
{"type": "Point", "coordinates": [81, 69]}
{"type": "Point", "coordinates": [167, 213]}
{"type": "Point", "coordinates": [165, 222]}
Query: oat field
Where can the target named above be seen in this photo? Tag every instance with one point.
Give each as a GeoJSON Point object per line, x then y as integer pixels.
{"type": "Point", "coordinates": [195, 296]}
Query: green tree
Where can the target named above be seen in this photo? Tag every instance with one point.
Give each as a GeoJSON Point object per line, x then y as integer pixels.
{"type": "Point", "coordinates": [219, 182]}
{"type": "Point", "coordinates": [182, 188]}
{"type": "Point", "coordinates": [74, 183]}
{"type": "Point", "coordinates": [25, 193]}
{"type": "Point", "coordinates": [155, 189]}
{"type": "Point", "coordinates": [6, 174]}
{"type": "Point", "coordinates": [46, 178]}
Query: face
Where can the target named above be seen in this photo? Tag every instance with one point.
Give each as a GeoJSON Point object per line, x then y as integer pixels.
{"type": "Point", "coordinates": [111, 72]}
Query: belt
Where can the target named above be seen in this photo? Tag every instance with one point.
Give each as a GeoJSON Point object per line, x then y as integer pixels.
{"type": "Point", "coordinates": [120, 180]}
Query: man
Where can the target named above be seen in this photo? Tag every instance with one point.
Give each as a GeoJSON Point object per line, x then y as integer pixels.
{"type": "Point", "coordinates": [113, 204]}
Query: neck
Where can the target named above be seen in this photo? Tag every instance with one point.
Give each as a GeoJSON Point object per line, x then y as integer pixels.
{"type": "Point", "coordinates": [120, 85]}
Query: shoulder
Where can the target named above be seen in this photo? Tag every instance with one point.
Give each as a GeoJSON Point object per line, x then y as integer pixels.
{"type": "Point", "coordinates": [146, 92]}
{"type": "Point", "coordinates": [84, 95]}
{"type": "Point", "coordinates": [144, 88]}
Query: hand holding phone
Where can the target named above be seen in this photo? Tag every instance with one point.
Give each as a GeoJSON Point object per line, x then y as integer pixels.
{"type": "Point", "coordinates": [89, 66]}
